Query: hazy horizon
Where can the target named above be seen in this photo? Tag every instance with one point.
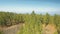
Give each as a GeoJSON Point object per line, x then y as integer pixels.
{"type": "Point", "coordinates": [27, 6]}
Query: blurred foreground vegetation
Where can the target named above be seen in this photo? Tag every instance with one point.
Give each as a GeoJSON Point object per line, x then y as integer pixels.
{"type": "Point", "coordinates": [32, 22]}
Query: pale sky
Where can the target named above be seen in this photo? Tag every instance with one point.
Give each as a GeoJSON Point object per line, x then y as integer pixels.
{"type": "Point", "coordinates": [27, 6]}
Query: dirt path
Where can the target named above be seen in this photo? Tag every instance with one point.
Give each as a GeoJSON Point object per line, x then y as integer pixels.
{"type": "Point", "coordinates": [49, 29]}
{"type": "Point", "coordinates": [13, 29]}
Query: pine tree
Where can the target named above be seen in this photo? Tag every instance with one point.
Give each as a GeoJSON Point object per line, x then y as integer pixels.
{"type": "Point", "coordinates": [47, 18]}
{"type": "Point", "coordinates": [22, 19]}
{"type": "Point", "coordinates": [41, 19]}
{"type": "Point", "coordinates": [57, 22]}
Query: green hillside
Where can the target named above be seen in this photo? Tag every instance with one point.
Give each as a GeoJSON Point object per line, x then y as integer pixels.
{"type": "Point", "coordinates": [32, 23]}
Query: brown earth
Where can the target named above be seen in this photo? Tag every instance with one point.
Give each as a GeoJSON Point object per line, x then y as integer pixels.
{"type": "Point", "coordinates": [12, 29]}
{"type": "Point", "coordinates": [49, 29]}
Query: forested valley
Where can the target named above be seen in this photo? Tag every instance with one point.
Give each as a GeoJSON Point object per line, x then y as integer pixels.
{"type": "Point", "coordinates": [32, 23]}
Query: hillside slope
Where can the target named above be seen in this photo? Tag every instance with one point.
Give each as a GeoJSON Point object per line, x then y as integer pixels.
{"type": "Point", "coordinates": [13, 29]}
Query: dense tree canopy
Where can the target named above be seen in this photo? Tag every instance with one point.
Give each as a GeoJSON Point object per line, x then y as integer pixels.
{"type": "Point", "coordinates": [32, 21]}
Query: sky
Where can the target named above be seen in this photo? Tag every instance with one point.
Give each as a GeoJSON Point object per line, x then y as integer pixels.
{"type": "Point", "coordinates": [27, 6]}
